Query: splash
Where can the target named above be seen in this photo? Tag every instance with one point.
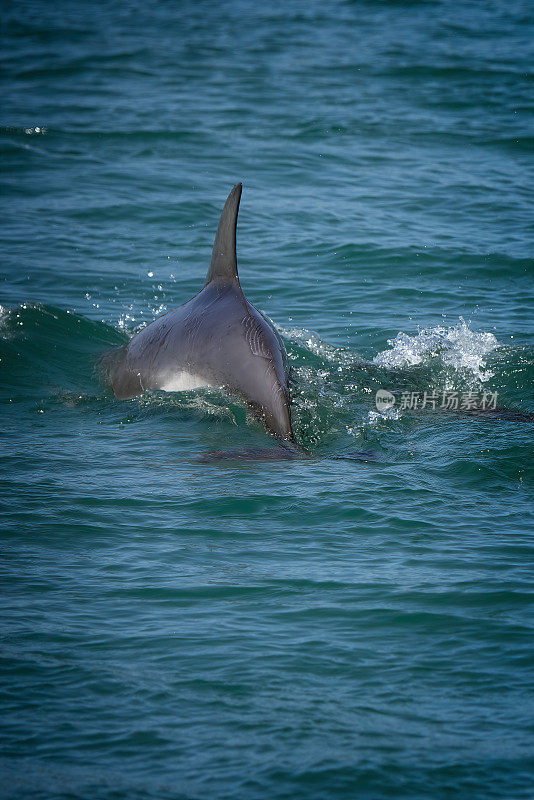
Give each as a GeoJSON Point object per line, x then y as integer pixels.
{"type": "Point", "coordinates": [374, 419]}
{"type": "Point", "coordinates": [458, 347]}
{"type": "Point", "coordinates": [314, 344]}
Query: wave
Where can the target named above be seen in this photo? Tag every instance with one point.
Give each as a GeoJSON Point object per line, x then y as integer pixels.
{"type": "Point", "coordinates": [48, 351]}
{"type": "Point", "coordinates": [43, 346]}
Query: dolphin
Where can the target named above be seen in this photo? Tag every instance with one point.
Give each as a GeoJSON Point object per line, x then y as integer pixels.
{"type": "Point", "coordinates": [216, 339]}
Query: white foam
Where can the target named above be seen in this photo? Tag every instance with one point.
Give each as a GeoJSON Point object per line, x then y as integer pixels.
{"type": "Point", "coordinates": [457, 346]}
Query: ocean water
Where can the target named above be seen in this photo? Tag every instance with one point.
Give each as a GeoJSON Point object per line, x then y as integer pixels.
{"type": "Point", "coordinates": [356, 624]}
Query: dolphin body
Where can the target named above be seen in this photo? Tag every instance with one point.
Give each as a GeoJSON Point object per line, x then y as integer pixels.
{"type": "Point", "coordinates": [215, 339]}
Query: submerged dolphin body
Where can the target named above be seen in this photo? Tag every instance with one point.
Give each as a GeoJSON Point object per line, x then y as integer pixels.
{"type": "Point", "coordinates": [215, 339]}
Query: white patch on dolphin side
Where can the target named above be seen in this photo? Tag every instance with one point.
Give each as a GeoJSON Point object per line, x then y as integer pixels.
{"type": "Point", "coordinates": [183, 382]}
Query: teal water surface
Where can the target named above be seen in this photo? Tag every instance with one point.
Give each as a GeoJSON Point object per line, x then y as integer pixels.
{"type": "Point", "coordinates": [356, 624]}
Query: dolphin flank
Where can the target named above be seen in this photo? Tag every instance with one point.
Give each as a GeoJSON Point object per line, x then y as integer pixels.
{"type": "Point", "coordinates": [215, 339]}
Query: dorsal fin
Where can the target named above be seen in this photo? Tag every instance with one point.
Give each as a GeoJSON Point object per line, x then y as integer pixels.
{"type": "Point", "coordinates": [223, 265]}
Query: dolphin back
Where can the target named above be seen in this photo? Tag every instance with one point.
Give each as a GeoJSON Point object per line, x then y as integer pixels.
{"type": "Point", "coordinates": [216, 339]}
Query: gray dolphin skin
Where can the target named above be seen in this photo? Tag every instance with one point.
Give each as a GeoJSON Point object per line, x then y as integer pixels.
{"type": "Point", "coordinates": [215, 339]}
